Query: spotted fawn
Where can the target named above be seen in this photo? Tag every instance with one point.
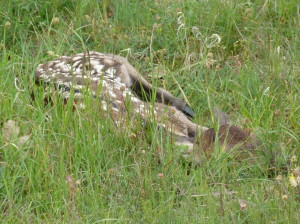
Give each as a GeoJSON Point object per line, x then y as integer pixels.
{"type": "Point", "coordinates": [113, 81]}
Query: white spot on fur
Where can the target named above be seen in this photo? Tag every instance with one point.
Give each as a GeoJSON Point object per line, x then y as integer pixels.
{"type": "Point", "coordinates": [45, 77]}
{"type": "Point", "coordinates": [77, 63]}
{"type": "Point", "coordinates": [59, 82]}
{"type": "Point", "coordinates": [118, 80]}
{"type": "Point", "coordinates": [104, 105]}
{"type": "Point", "coordinates": [112, 94]}
{"type": "Point", "coordinates": [110, 72]}
{"type": "Point", "coordinates": [76, 58]}
{"type": "Point", "coordinates": [65, 68]}
{"type": "Point", "coordinates": [81, 76]}
{"type": "Point", "coordinates": [94, 63]}
{"type": "Point", "coordinates": [135, 100]}
{"type": "Point", "coordinates": [65, 94]}
{"type": "Point", "coordinates": [95, 79]}
{"type": "Point", "coordinates": [78, 86]}
{"type": "Point", "coordinates": [51, 64]}
{"type": "Point", "coordinates": [99, 68]}
{"type": "Point", "coordinates": [77, 71]}
{"type": "Point", "coordinates": [59, 65]}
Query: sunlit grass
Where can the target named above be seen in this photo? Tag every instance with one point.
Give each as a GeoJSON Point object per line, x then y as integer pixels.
{"type": "Point", "coordinates": [78, 167]}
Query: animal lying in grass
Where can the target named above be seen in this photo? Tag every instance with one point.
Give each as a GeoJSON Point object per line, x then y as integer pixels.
{"type": "Point", "coordinates": [115, 84]}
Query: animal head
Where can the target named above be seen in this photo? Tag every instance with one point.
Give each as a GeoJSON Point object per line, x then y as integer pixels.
{"type": "Point", "coordinates": [228, 137]}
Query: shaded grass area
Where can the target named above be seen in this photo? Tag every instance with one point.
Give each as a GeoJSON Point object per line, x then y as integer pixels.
{"type": "Point", "coordinates": [77, 167]}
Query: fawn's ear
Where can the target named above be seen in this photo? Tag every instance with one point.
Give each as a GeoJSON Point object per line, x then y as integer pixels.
{"type": "Point", "coordinates": [221, 117]}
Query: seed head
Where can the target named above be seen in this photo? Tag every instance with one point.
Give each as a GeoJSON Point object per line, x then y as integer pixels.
{"type": "Point", "coordinates": [7, 25]}
{"type": "Point", "coordinates": [55, 20]}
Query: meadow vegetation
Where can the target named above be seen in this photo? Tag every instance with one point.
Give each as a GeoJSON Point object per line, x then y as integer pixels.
{"type": "Point", "coordinates": [59, 165]}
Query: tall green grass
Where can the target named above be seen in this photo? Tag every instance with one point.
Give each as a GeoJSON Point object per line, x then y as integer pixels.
{"type": "Point", "coordinates": [78, 168]}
